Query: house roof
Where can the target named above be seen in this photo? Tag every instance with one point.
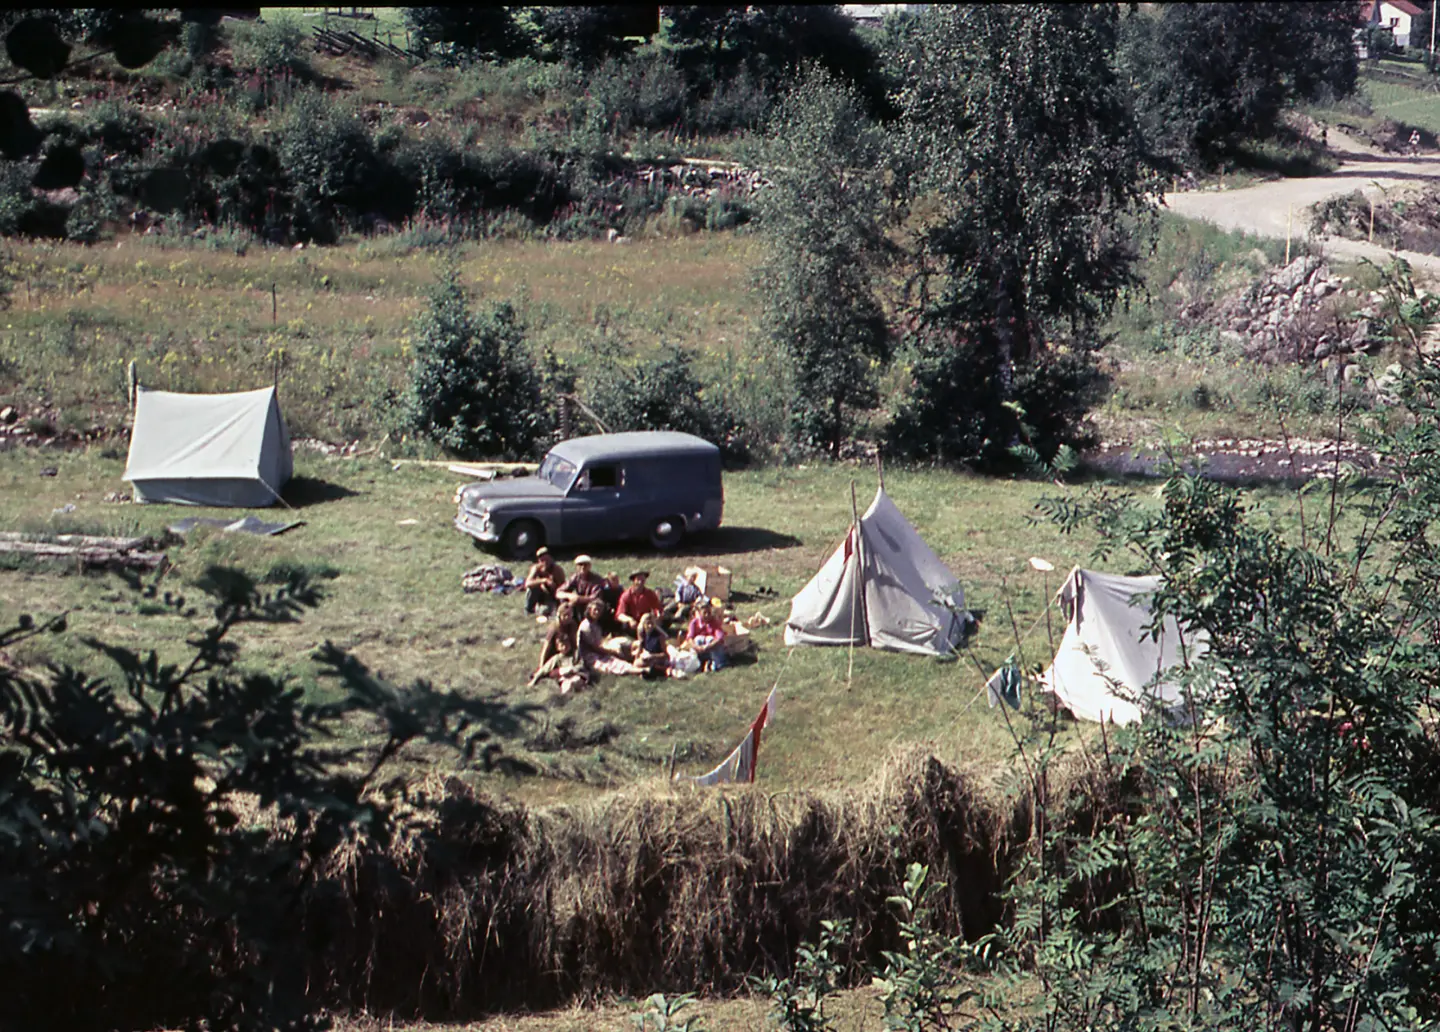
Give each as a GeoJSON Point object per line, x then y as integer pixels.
{"type": "Point", "coordinates": [1369, 13]}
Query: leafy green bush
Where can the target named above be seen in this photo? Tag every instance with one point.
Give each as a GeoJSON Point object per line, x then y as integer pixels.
{"type": "Point", "coordinates": [799, 1001]}
{"type": "Point", "coordinates": [473, 388]}
{"type": "Point", "coordinates": [660, 393]}
{"type": "Point", "coordinates": [956, 410]}
{"type": "Point", "coordinates": [332, 167]}
{"type": "Point", "coordinates": [161, 820]}
{"type": "Point", "coordinates": [642, 91]}
{"type": "Point", "coordinates": [1271, 860]}
{"type": "Point", "coordinates": [273, 45]}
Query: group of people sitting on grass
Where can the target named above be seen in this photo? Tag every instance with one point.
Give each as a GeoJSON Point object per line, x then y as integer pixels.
{"type": "Point", "coordinates": [601, 629]}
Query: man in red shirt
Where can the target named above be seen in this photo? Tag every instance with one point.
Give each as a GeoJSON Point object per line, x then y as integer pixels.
{"type": "Point", "coordinates": [636, 601]}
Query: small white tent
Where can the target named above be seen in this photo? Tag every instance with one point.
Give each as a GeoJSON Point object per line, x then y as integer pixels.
{"type": "Point", "coordinates": [882, 587]}
{"type": "Point", "coordinates": [208, 449]}
{"type": "Point", "coordinates": [1108, 668]}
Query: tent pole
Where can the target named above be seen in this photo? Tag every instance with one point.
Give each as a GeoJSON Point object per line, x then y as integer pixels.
{"type": "Point", "coordinates": [879, 472]}
{"type": "Point", "coordinates": [859, 586]}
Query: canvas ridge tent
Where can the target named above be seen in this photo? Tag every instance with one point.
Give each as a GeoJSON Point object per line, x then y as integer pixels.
{"type": "Point", "coordinates": [208, 449]}
{"type": "Point", "coordinates": [1107, 667]}
{"type": "Point", "coordinates": [882, 587]}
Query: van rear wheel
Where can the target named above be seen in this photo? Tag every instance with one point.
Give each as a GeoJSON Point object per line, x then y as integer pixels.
{"type": "Point", "coordinates": [522, 538]}
{"type": "Point", "coordinates": [667, 532]}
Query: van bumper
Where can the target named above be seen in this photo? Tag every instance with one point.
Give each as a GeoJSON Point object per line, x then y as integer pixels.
{"type": "Point", "coordinates": [478, 527]}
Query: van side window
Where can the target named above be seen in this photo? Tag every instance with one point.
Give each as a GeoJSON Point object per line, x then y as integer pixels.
{"type": "Point", "coordinates": [602, 478]}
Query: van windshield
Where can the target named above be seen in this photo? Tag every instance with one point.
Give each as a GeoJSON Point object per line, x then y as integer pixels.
{"type": "Point", "coordinates": [556, 470]}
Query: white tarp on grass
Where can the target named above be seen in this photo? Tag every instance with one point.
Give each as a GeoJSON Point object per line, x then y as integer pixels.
{"type": "Point", "coordinates": [1107, 667]}
{"type": "Point", "coordinates": [883, 587]}
{"type": "Point", "coordinates": [208, 449]}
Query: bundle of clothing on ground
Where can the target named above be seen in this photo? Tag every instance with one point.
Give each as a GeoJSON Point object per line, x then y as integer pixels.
{"type": "Point", "coordinates": [496, 579]}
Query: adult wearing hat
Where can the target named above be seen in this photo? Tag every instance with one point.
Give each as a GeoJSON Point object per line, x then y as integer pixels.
{"type": "Point", "coordinates": [542, 582]}
{"type": "Point", "coordinates": [636, 601]}
{"type": "Point", "coordinates": [584, 584]}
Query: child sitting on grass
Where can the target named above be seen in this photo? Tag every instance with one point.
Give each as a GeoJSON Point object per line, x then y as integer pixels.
{"type": "Point", "coordinates": [706, 636]}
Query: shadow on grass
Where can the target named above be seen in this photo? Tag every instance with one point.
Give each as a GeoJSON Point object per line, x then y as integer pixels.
{"type": "Point", "coordinates": [302, 492]}
{"type": "Point", "coordinates": [737, 541]}
{"type": "Point", "coordinates": [724, 541]}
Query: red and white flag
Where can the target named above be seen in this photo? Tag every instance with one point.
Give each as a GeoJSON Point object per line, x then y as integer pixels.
{"type": "Point", "coordinates": [739, 766]}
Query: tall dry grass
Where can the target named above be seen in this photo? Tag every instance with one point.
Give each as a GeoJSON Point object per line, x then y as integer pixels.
{"type": "Point", "coordinates": [490, 906]}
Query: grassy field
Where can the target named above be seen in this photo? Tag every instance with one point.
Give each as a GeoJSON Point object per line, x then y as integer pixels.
{"type": "Point", "coordinates": [196, 316]}
{"type": "Point", "coordinates": [395, 600]}
{"type": "Point", "coordinates": [1391, 88]}
{"type": "Point", "coordinates": [337, 321]}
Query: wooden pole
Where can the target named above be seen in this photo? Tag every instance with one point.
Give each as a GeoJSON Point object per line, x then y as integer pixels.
{"type": "Point", "coordinates": [1371, 237]}
{"type": "Point", "coordinates": [274, 305]}
{"type": "Point", "coordinates": [857, 600]}
{"type": "Point", "coordinates": [1289, 225]}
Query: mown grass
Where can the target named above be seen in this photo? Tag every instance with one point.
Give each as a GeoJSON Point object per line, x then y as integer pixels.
{"type": "Point", "coordinates": [395, 600]}
{"type": "Point", "coordinates": [1391, 89]}
{"type": "Point", "coordinates": [850, 1011]}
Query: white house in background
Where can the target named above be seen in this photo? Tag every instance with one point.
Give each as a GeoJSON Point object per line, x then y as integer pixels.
{"type": "Point", "coordinates": [872, 15]}
{"type": "Point", "coordinates": [1395, 15]}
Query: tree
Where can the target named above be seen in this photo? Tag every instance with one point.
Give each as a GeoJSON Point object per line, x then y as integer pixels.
{"type": "Point", "coordinates": [1025, 170]}
{"type": "Point", "coordinates": [586, 36]}
{"type": "Point", "coordinates": [160, 822]}
{"type": "Point", "coordinates": [1271, 860]}
{"type": "Point", "coordinates": [660, 392]}
{"type": "Point", "coordinates": [36, 42]}
{"type": "Point", "coordinates": [773, 43]}
{"type": "Point", "coordinates": [479, 32]}
{"type": "Point", "coordinates": [1206, 77]}
{"type": "Point", "coordinates": [823, 234]}
{"type": "Point", "coordinates": [473, 389]}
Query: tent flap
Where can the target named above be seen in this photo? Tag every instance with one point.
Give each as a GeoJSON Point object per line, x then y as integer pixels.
{"type": "Point", "coordinates": [1109, 667]}
{"type": "Point", "coordinates": [882, 586]}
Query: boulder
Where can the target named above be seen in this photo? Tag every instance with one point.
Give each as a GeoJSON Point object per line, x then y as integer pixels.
{"type": "Point", "coordinates": [1296, 273]}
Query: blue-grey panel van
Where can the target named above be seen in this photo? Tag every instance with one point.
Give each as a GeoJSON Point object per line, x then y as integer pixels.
{"type": "Point", "coordinates": [655, 485]}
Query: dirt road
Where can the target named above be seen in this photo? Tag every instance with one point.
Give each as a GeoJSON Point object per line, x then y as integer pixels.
{"type": "Point", "coordinates": [1268, 208]}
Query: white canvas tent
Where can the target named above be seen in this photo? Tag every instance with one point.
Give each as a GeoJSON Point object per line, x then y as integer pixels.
{"type": "Point", "coordinates": [882, 587]}
{"type": "Point", "coordinates": [208, 449]}
{"type": "Point", "coordinates": [1107, 667]}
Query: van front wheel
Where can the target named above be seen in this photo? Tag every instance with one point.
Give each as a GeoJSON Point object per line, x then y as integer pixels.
{"type": "Point", "coordinates": [522, 538]}
{"type": "Point", "coordinates": [667, 532]}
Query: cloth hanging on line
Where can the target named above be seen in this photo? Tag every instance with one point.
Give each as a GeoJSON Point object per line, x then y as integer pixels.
{"type": "Point", "coordinates": [1004, 685]}
{"type": "Point", "coordinates": [739, 767]}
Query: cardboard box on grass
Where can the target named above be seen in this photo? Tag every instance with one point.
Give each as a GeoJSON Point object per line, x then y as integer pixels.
{"type": "Point", "coordinates": [714, 581]}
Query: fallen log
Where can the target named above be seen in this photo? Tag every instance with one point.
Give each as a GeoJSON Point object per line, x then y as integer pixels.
{"type": "Point", "coordinates": [130, 544]}
{"type": "Point", "coordinates": [87, 555]}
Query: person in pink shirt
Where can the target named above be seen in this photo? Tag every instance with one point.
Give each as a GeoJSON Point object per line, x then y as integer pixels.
{"type": "Point", "coordinates": [706, 635]}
